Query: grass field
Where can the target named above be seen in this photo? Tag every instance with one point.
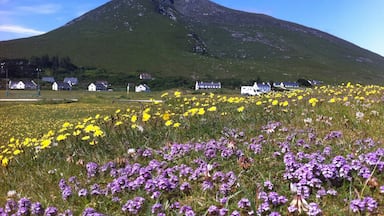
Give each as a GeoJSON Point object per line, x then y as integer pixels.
{"type": "Point", "coordinates": [311, 152]}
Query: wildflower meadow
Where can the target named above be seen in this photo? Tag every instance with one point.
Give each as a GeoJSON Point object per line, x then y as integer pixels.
{"type": "Point", "coordinates": [315, 151]}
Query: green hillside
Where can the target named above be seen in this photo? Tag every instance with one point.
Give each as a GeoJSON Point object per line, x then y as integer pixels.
{"type": "Point", "coordinates": [199, 40]}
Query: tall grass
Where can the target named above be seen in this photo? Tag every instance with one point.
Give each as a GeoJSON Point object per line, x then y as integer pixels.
{"type": "Point", "coordinates": [315, 151]}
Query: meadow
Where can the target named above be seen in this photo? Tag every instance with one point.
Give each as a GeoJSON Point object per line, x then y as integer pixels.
{"type": "Point", "coordinates": [315, 151]}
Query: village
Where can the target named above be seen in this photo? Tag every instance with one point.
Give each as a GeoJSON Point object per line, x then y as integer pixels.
{"type": "Point", "coordinates": [69, 83]}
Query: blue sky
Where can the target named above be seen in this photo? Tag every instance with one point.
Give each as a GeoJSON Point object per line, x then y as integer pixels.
{"type": "Point", "coordinates": [357, 21]}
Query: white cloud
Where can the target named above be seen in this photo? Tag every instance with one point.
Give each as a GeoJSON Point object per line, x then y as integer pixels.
{"type": "Point", "coordinates": [19, 30]}
{"type": "Point", "coordinates": [41, 9]}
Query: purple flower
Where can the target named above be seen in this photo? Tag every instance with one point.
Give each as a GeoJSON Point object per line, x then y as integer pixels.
{"type": "Point", "coordinates": [235, 213]}
{"type": "Point", "coordinates": [51, 211]}
{"type": "Point", "coordinates": [320, 193]}
{"type": "Point", "coordinates": [243, 203]}
{"type": "Point", "coordinates": [82, 192]}
{"type": "Point", "coordinates": [91, 169]}
{"type": "Point", "coordinates": [313, 209]}
{"type": "Point", "coordinates": [224, 188]}
{"type": "Point", "coordinates": [213, 210]}
{"type": "Point", "coordinates": [339, 161]}
{"type": "Point", "coordinates": [133, 206]}
{"type": "Point", "coordinates": [333, 135]}
{"type": "Point", "coordinates": [37, 209]}
{"type": "Point", "coordinates": [157, 208]}
{"type": "Point", "coordinates": [62, 184]}
{"type": "Point", "coordinates": [357, 205]}
{"type": "Point", "coordinates": [382, 189]}
{"type": "Point", "coordinates": [69, 213]}
{"type": "Point", "coordinates": [268, 184]}
{"type": "Point", "coordinates": [185, 209]}
{"type": "Point", "coordinates": [24, 202]}
{"type": "Point", "coordinates": [332, 192]}
{"type": "Point", "coordinates": [264, 207]}
{"type": "Point", "coordinates": [91, 212]}
{"type": "Point", "coordinates": [66, 193]}
{"type": "Point", "coordinates": [95, 189]}
{"type": "Point", "coordinates": [223, 200]}
{"type": "Point", "coordinates": [329, 171]}
{"type": "Point", "coordinates": [365, 172]}
{"type": "Point", "coordinates": [370, 203]}
{"type": "Point", "coordinates": [22, 211]}
{"type": "Point", "coordinates": [207, 185]}
{"type": "Point", "coordinates": [10, 205]}
{"type": "Point", "coordinates": [223, 212]}
{"type": "Point", "coordinates": [185, 186]}
{"type": "Point", "coordinates": [175, 205]}
{"type": "Point", "coordinates": [156, 194]}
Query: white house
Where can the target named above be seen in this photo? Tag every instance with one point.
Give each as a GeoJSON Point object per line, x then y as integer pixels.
{"type": "Point", "coordinates": [19, 85]}
{"type": "Point", "coordinates": [98, 86]}
{"type": "Point", "coordinates": [142, 88]}
{"type": "Point", "coordinates": [207, 85]}
{"type": "Point", "coordinates": [58, 86]}
{"type": "Point", "coordinates": [22, 85]}
{"type": "Point", "coordinates": [256, 89]}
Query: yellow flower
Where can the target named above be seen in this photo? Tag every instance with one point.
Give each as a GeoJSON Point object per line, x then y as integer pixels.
{"type": "Point", "coordinates": [212, 109]}
{"type": "Point", "coordinates": [98, 133]}
{"type": "Point", "coordinates": [118, 111]}
{"type": "Point", "coordinates": [240, 109]}
{"type": "Point", "coordinates": [332, 100]}
{"type": "Point", "coordinates": [258, 103]}
{"type": "Point", "coordinates": [146, 117]}
{"type": "Point", "coordinates": [118, 123]}
{"type": "Point", "coordinates": [166, 116]}
{"type": "Point", "coordinates": [176, 125]}
{"type": "Point", "coordinates": [168, 123]}
{"type": "Point", "coordinates": [76, 132]}
{"type": "Point", "coordinates": [4, 162]}
{"type": "Point", "coordinates": [284, 104]}
{"type": "Point", "coordinates": [177, 94]}
{"type": "Point", "coordinates": [46, 143]}
{"type": "Point", "coordinates": [16, 152]}
{"type": "Point", "coordinates": [89, 128]}
{"type": "Point", "coordinates": [164, 94]}
{"type": "Point", "coordinates": [133, 118]}
{"type": "Point", "coordinates": [299, 97]}
{"type": "Point", "coordinates": [313, 101]}
{"type": "Point", "coordinates": [66, 124]}
{"type": "Point", "coordinates": [61, 137]}
{"type": "Point", "coordinates": [201, 111]}
{"type": "Point", "coordinates": [85, 138]}
{"type": "Point", "coordinates": [275, 102]}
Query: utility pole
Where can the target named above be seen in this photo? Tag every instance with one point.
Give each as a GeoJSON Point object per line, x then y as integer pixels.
{"type": "Point", "coordinates": [6, 78]}
{"type": "Point", "coordinates": [38, 81]}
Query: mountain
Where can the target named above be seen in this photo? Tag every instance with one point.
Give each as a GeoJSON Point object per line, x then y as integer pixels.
{"type": "Point", "coordinates": [199, 40]}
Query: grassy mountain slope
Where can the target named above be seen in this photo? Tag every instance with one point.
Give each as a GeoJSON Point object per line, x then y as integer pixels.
{"type": "Point", "coordinates": [199, 39]}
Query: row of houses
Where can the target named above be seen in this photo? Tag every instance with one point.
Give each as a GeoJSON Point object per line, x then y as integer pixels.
{"type": "Point", "coordinates": [67, 86]}
{"type": "Point", "coordinates": [68, 83]}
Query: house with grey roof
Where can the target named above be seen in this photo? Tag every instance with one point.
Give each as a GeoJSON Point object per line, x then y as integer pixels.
{"type": "Point", "coordinates": [207, 85]}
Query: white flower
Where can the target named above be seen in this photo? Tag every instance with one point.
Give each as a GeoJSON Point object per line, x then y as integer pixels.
{"type": "Point", "coordinates": [308, 120]}
{"type": "Point", "coordinates": [131, 151]}
{"type": "Point", "coordinates": [359, 115]}
{"type": "Point", "coordinates": [300, 204]}
{"type": "Point", "coordinates": [11, 194]}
